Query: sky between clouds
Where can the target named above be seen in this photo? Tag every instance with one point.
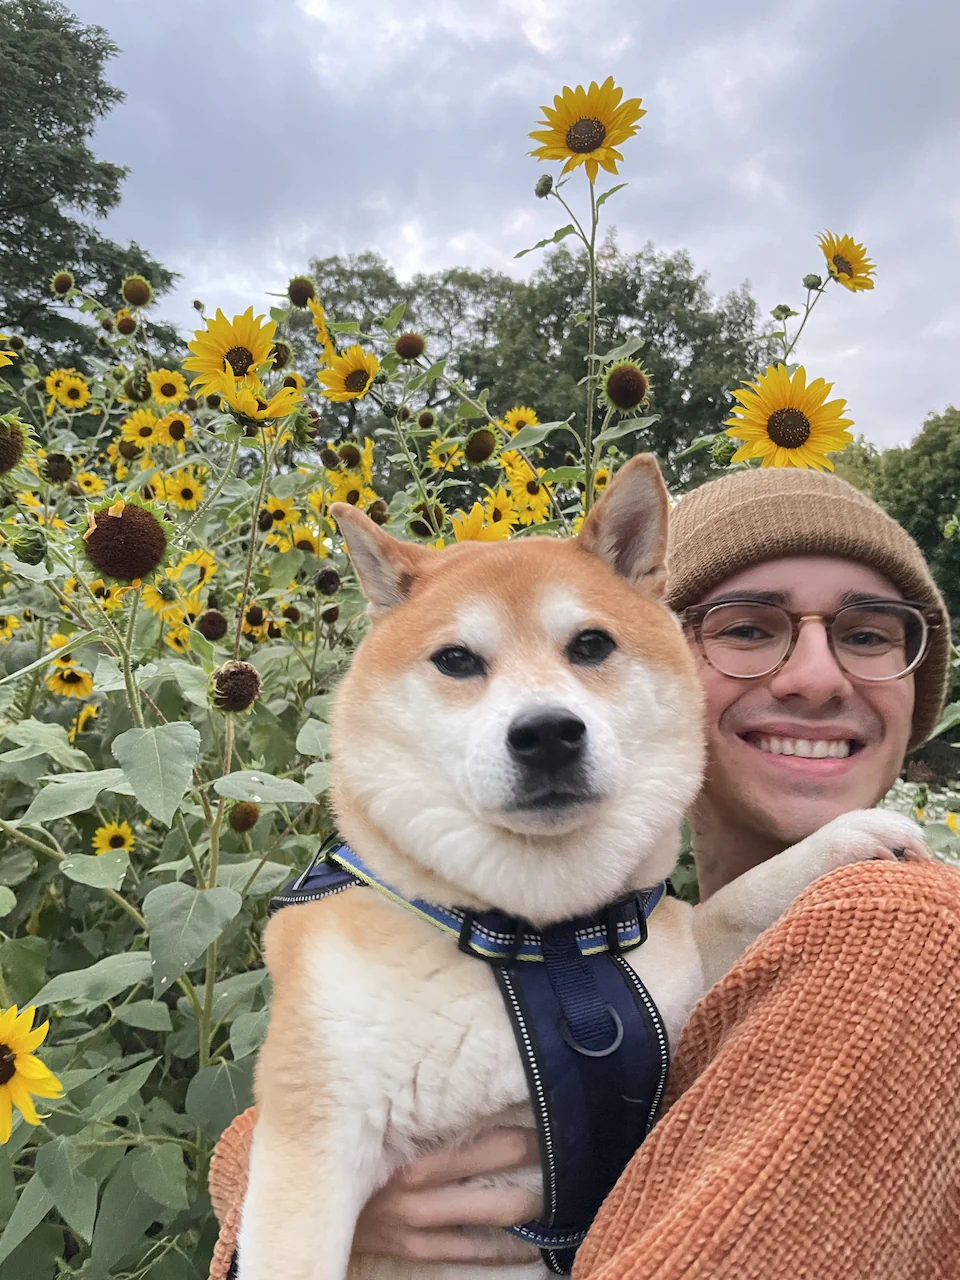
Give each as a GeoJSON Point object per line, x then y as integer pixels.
{"type": "Point", "coordinates": [260, 135]}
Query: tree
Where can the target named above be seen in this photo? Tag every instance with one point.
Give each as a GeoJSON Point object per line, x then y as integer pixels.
{"type": "Point", "coordinates": [859, 464]}
{"type": "Point", "coordinates": [919, 485]}
{"type": "Point", "coordinates": [520, 340]}
{"type": "Point", "coordinates": [54, 93]}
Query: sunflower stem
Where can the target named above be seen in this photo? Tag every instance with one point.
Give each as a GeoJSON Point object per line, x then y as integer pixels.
{"type": "Point", "coordinates": [269, 454]}
{"type": "Point", "coordinates": [808, 308]}
{"type": "Point", "coordinates": [38, 674]}
{"type": "Point", "coordinates": [202, 509]}
{"type": "Point", "coordinates": [588, 468]}
{"type": "Point", "coordinates": [428, 513]}
{"type": "Point", "coordinates": [133, 693]}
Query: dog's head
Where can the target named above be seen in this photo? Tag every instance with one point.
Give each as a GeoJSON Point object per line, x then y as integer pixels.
{"type": "Point", "coordinates": [521, 728]}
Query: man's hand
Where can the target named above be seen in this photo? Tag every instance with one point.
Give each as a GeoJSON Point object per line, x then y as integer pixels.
{"type": "Point", "coordinates": [424, 1211]}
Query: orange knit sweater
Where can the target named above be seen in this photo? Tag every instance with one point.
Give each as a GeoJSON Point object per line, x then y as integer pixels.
{"type": "Point", "coordinates": [813, 1127]}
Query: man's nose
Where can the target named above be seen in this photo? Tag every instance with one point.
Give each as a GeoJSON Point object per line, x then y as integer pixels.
{"type": "Point", "coordinates": [812, 672]}
{"type": "Point", "coordinates": [547, 739]}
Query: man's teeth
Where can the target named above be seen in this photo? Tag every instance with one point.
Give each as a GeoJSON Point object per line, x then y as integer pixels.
{"type": "Point", "coordinates": [809, 748]}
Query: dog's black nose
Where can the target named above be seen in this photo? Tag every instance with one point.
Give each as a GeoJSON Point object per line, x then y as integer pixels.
{"type": "Point", "coordinates": [547, 739]}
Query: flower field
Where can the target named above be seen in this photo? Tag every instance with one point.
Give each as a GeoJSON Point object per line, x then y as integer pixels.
{"type": "Point", "coordinates": [176, 611]}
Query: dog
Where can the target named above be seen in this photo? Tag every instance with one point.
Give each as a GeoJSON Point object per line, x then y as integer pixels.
{"type": "Point", "coordinates": [520, 730]}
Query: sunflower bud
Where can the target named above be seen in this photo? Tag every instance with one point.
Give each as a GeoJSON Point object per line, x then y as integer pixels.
{"type": "Point", "coordinates": [190, 404]}
{"type": "Point", "coordinates": [106, 324]}
{"type": "Point", "coordinates": [378, 511]}
{"type": "Point", "coordinates": [16, 343]}
{"type": "Point", "coordinates": [61, 282]}
{"type": "Point", "coordinates": [56, 468]}
{"type": "Point", "coordinates": [292, 614]}
{"type": "Point", "coordinates": [127, 544]}
{"type": "Point", "coordinates": [812, 281]}
{"type": "Point", "coordinates": [265, 521]}
{"type": "Point", "coordinates": [198, 305]}
{"type": "Point", "coordinates": [404, 413]}
{"type": "Point", "coordinates": [29, 546]}
{"type": "Point", "coordinates": [137, 387]}
{"type": "Point", "coordinates": [137, 290]}
{"type": "Point", "coordinates": [723, 449]}
{"type": "Point", "coordinates": [410, 346]}
{"type": "Point", "coordinates": [349, 455]}
{"type": "Point", "coordinates": [425, 420]}
{"type": "Point", "coordinates": [281, 354]}
{"type": "Point", "coordinates": [327, 582]}
{"type": "Point", "coordinates": [625, 386]}
{"type": "Point", "coordinates": [213, 402]}
{"type": "Point", "coordinates": [330, 459]}
{"type": "Point", "coordinates": [331, 613]}
{"type": "Point", "coordinates": [12, 442]}
{"type": "Point", "coordinates": [212, 625]}
{"type": "Point", "coordinates": [129, 449]}
{"type": "Point", "coordinates": [126, 323]}
{"type": "Point", "coordinates": [236, 687]}
{"type": "Point", "coordinates": [300, 290]}
{"type": "Point", "coordinates": [254, 616]}
{"type": "Point", "coordinates": [543, 186]}
{"type": "Point", "coordinates": [244, 815]}
{"type": "Point", "coordinates": [390, 409]}
{"type": "Point", "coordinates": [480, 447]}
{"type": "Point", "coordinates": [422, 526]}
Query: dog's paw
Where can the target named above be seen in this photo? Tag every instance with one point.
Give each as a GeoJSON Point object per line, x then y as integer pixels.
{"type": "Point", "coordinates": [863, 835]}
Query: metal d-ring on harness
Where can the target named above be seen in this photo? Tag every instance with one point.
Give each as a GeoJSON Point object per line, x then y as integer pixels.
{"type": "Point", "coordinates": [591, 1039]}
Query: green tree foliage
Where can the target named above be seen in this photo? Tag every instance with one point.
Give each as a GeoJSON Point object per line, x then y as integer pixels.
{"type": "Point", "coordinates": [515, 339]}
{"type": "Point", "coordinates": [52, 95]}
{"type": "Point", "coordinates": [920, 487]}
{"type": "Point", "coordinates": [859, 464]}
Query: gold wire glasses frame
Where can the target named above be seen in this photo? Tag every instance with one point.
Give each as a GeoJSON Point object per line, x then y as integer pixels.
{"type": "Point", "coordinates": [925, 617]}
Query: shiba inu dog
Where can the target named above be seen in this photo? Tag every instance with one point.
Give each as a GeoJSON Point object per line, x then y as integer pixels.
{"type": "Point", "coordinates": [520, 731]}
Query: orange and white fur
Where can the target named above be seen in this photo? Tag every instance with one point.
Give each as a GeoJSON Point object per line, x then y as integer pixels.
{"type": "Point", "coordinates": [384, 1039]}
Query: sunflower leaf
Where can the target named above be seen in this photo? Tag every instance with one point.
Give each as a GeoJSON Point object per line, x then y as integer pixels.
{"type": "Point", "coordinates": [158, 764]}
{"type": "Point", "coordinates": [74, 1193]}
{"type": "Point", "coordinates": [98, 982]}
{"type": "Point", "coordinates": [526, 437]}
{"type": "Point", "coordinates": [253, 784]}
{"type": "Point", "coordinates": [73, 794]}
{"type": "Point", "coordinates": [562, 475]}
{"type": "Point", "coordinates": [313, 738]}
{"type": "Point", "coordinates": [40, 739]}
{"type": "Point", "coordinates": [33, 1204]}
{"type": "Point", "coordinates": [395, 316]}
{"type": "Point", "coordinates": [216, 1095]}
{"type": "Point", "coordinates": [701, 442]}
{"type": "Point", "coordinates": [8, 900]}
{"type": "Point", "coordinates": [183, 921]}
{"type": "Point", "coordinates": [161, 1173]}
{"type": "Point", "coordinates": [105, 871]}
{"type": "Point", "coordinates": [626, 426]}
{"type": "Point", "coordinates": [612, 192]}
{"type": "Point", "coordinates": [623, 352]}
{"type": "Point", "coordinates": [560, 234]}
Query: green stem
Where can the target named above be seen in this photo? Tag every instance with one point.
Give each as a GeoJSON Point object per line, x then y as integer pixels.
{"type": "Point", "coordinates": [428, 513]}
{"type": "Point", "coordinates": [180, 823]}
{"type": "Point", "coordinates": [34, 687]}
{"type": "Point", "coordinates": [268, 458]}
{"type": "Point", "coordinates": [204, 506]}
{"type": "Point", "coordinates": [588, 467]}
{"type": "Point", "coordinates": [133, 693]}
{"type": "Point", "coordinates": [808, 308]}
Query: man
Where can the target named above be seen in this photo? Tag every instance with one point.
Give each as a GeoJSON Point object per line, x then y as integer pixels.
{"type": "Point", "coordinates": [787, 1131]}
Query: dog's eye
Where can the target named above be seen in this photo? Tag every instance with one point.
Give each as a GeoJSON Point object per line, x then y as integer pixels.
{"type": "Point", "coordinates": [455, 660]}
{"type": "Point", "coordinates": [591, 647]}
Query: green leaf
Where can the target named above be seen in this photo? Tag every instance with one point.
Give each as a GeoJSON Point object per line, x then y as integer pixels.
{"type": "Point", "coordinates": [74, 1193]}
{"type": "Point", "coordinates": [317, 777]}
{"type": "Point", "coordinates": [158, 763]}
{"type": "Point", "coordinates": [343, 326]}
{"type": "Point", "coordinates": [701, 442]}
{"type": "Point", "coordinates": [254, 784]}
{"type": "Point", "coordinates": [108, 677]}
{"type": "Point", "coordinates": [23, 963]}
{"type": "Point", "coordinates": [283, 568]}
{"type": "Point", "coordinates": [98, 982]}
{"type": "Point", "coordinates": [125, 1213]}
{"type": "Point", "coordinates": [623, 352]}
{"type": "Point", "coordinates": [8, 900]}
{"type": "Point", "coordinates": [183, 921]}
{"type": "Point", "coordinates": [204, 650]}
{"type": "Point", "coordinates": [33, 1204]}
{"type": "Point", "coordinates": [313, 738]}
{"type": "Point", "coordinates": [74, 794]}
{"type": "Point", "coordinates": [234, 875]}
{"type": "Point", "coordinates": [612, 192]}
{"type": "Point", "coordinates": [626, 427]}
{"type": "Point", "coordinates": [560, 234]}
{"type": "Point", "coordinates": [280, 314]}
{"type": "Point", "coordinates": [395, 316]}
{"type": "Point", "coordinates": [113, 1098]}
{"type": "Point", "coordinates": [948, 720]}
{"type": "Point", "coordinates": [148, 1015]}
{"type": "Point", "coordinates": [46, 739]}
{"type": "Point", "coordinates": [528, 436]}
{"type": "Point", "coordinates": [216, 1095]}
{"type": "Point", "coordinates": [77, 642]}
{"type": "Point", "coordinates": [247, 1032]}
{"type": "Point", "coordinates": [102, 871]}
{"type": "Point", "coordinates": [192, 681]}
{"type": "Point", "coordinates": [161, 1173]}
{"type": "Point", "coordinates": [429, 375]}
{"type": "Point", "coordinates": [562, 475]}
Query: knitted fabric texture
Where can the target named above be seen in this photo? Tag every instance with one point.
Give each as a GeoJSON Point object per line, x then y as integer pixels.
{"type": "Point", "coordinates": [813, 1128]}
{"type": "Point", "coordinates": [747, 517]}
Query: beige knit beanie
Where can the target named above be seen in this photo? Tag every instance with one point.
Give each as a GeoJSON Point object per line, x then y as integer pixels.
{"type": "Point", "coordinates": [746, 517]}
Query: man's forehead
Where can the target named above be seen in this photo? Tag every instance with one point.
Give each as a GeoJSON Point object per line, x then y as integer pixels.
{"type": "Point", "coordinates": [806, 582]}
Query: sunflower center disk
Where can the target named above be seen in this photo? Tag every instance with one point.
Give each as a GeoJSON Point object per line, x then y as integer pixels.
{"type": "Point", "coordinates": [842, 264]}
{"type": "Point", "coordinates": [586, 135]}
{"type": "Point", "coordinates": [117, 842]}
{"type": "Point", "coordinates": [789, 428]}
{"type": "Point", "coordinates": [239, 359]}
{"type": "Point", "coordinates": [8, 1064]}
{"type": "Point", "coordinates": [356, 380]}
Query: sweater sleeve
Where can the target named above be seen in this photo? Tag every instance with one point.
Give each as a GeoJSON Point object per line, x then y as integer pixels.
{"type": "Point", "coordinates": [813, 1121]}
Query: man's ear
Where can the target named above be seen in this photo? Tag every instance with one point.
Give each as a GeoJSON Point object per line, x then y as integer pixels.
{"type": "Point", "coordinates": [628, 525]}
{"type": "Point", "coordinates": [386, 567]}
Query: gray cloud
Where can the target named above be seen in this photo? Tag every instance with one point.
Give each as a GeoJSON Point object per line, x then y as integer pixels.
{"type": "Point", "coordinates": [259, 136]}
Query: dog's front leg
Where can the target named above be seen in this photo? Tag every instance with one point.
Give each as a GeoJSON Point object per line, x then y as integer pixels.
{"type": "Point", "coordinates": [306, 1189]}
{"type": "Point", "coordinates": [735, 916]}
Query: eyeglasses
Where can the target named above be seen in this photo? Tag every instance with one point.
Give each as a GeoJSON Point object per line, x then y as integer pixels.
{"type": "Point", "coordinates": [873, 639]}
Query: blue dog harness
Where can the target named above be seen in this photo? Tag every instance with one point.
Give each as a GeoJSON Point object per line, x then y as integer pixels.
{"type": "Point", "coordinates": [591, 1039]}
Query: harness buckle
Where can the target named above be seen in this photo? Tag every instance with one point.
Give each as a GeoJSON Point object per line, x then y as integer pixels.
{"type": "Point", "coordinates": [465, 941]}
{"type": "Point", "coordinates": [611, 925]}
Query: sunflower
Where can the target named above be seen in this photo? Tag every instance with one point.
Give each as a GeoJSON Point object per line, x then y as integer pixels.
{"type": "Point", "coordinates": [81, 720]}
{"type": "Point", "coordinates": [471, 528]}
{"type": "Point", "coordinates": [294, 380]}
{"type": "Point", "coordinates": [585, 126]}
{"type": "Point", "coordinates": [236, 346]}
{"type": "Point", "coordinates": [530, 496]}
{"type": "Point", "coordinates": [303, 537]}
{"type": "Point", "coordinates": [126, 322]}
{"type": "Point", "coordinates": [443, 456]}
{"type": "Point", "coordinates": [178, 638]}
{"type": "Point", "coordinates": [601, 478]}
{"type": "Point", "coordinates": [255, 619]}
{"type": "Point", "coordinates": [349, 376]}
{"type": "Point", "coordinates": [109, 597]}
{"type": "Point", "coordinates": [143, 428]}
{"type": "Point", "coordinates": [6, 357]}
{"type": "Point", "coordinates": [280, 512]}
{"type": "Point", "coordinates": [320, 324]}
{"type": "Point", "coordinates": [90, 483]}
{"type": "Point", "coordinates": [350, 487]}
{"type": "Point", "coordinates": [248, 397]}
{"type": "Point", "coordinates": [174, 429]}
{"type": "Point", "coordinates": [848, 261]}
{"type": "Point", "coordinates": [499, 507]}
{"type": "Point", "coordinates": [8, 625]}
{"type": "Point", "coordinates": [162, 598]}
{"type": "Point", "coordinates": [785, 423]}
{"type": "Point", "coordinates": [183, 489]}
{"type": "Point", "coordinates": [115, 835]}
{"type": "Point", "coordinates": [21, 1073]}
{"type": "Point", "coordinates": [168, 386]}
{"type": "Point", "coordinates": [205, 566]}
{"type": "Point", "coordinates": [521, 416]}
{"type": "Point", "coordinates": [72, 392]}
{"type": "Point", "coordinates": [70, 681]}
{"type": "Point", "coordinates": [953, 822]}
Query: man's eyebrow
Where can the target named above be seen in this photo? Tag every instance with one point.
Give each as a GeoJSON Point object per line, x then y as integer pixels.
{"type": "Point", "coordinates": [858, 597]}
{"type": "Point", "coordinates": [759, 597]}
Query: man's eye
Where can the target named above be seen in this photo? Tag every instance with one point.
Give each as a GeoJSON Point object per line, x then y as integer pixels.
{"type": "Point", "coordinates": [591, 647]}
{"type": "Point", "coordinates": [455, 660]}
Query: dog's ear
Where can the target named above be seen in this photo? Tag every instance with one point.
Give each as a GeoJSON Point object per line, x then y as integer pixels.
{"type": "Point", "coordinates": [628, 525]}
{"type": "Point", "coordinates": [386, 567]}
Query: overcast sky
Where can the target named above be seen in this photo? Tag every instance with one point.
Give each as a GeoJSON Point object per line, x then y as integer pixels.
{"type": "Point", "coordinates": [260, 134]}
